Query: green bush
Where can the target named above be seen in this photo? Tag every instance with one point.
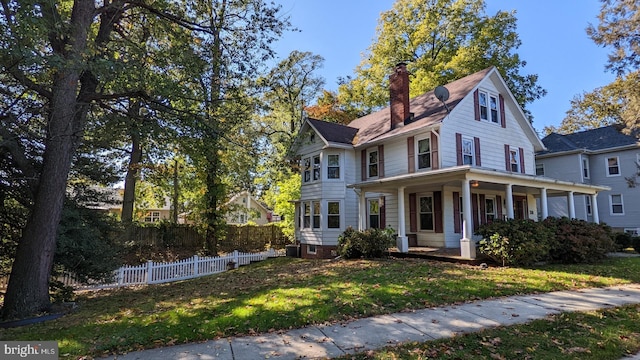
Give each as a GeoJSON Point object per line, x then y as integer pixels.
{"type": "Point", "coordinates": [623, 240]}
{"type": "Point", "coordinates": [370, 243]}
{"type": "Point", "coordinates": [635, 243]}
{"type": "Point", "coordinates": [578, 241]}
{"type": "Point", "coordinates": [515, 242]}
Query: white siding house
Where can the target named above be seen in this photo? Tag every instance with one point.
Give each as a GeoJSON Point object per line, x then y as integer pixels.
{"type": "Point", "coordinates": [432, 170]}
{"type": "Point", "coordinates": [243, 208]}
{"type": "Point", "coordinates": [603, 156]}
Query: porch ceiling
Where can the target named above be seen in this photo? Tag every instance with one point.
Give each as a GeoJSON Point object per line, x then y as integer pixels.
{"type": "Point", "coordinates": [487, 179]}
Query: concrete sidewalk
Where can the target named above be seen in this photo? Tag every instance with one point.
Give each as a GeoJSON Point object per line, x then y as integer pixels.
{"type": "Point", "coordinates": [327, 341]}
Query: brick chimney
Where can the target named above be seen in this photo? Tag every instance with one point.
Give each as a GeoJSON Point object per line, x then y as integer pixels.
{"type": "Point", "coordinates": [399, 94]}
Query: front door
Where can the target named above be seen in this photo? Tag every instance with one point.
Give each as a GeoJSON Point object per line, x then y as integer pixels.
{"type": "Point", "coordinates": [520, 207]}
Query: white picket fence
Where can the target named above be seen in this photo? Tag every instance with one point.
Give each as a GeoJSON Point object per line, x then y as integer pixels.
{"type": "Point", "coordinates": [156, 273]}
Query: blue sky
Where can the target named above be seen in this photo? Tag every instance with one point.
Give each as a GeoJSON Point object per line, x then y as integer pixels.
{"type": "Point", "coordinates": [554, 43]}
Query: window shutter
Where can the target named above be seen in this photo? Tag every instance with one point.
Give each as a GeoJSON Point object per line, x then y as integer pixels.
{"type": "Point", "coordinates": [499, 206]}
{"type": "Point", "coordinates": [380, 161]}
{"type": "Point", "coordinates": [521, 160]}
{"type": "Point", "coordinates": [363, 164]}
{"type": "Point", "coordinates": [437, 211]}
{"type": "Point", "coordinates": [383, 213]}
{"type": "Point", "coordinates": [507, 162]}
{"type": "Point", "coordinates": [474, 211]}
{"type": "Point", "coordinates": [459, 148]}
{"type": "Point", "coordinates": [476, 105]}
{"type": "Point", "coordinates": [476, 145]}
{"type": "Point", "coordinates": [411, 154]}
{"type": "Point", "coordinates": [483, 210]}
{"type": "Point", "coordinates": [413, 221]}
{"type": "Point", "coordinates": [456, 213]}
{"type": "Point", "coordinates": [503, 118]}
{"type": "Point", "coordinates": [435, 164]}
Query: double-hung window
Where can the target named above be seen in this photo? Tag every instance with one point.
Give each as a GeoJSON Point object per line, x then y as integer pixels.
{"type": "Point", "coordinates": [585, 168]}
{"type": "Point", "coordinates": [374, 213]}
{"type": "Point", "coordinates": [426, 212]}
{"type": "Point", "coordinates": [306, 219]}
{"type": "Point", "coordinates": [613, 166]}
{"type": "Point", "coordinates": [514, 159]}
{"type": "Point", "coordinates": [306, 170]}
{"type": "Point", "coordinates": [316, 214]}
{"type": "Point", "coordinates": [540, 169]}
{"type": "Point", "coordinates": [424, 154]}
{"type": "Point", "coordinates": [333, 166]}
{"type": "Point", "coordinates": [152, 216]}
{"type": "Point", "coordinates": [316, 168]}
{"type": "Point", "coordinates": [489, 107]}
{"type": "Point", "coordinates": [587, 201]}
{"type": "Point", "coordinates": [468, 151]}
{"type": "Point", "coordinates": [617, 207]}
{"type": "Point", "coordinates": [333, 214]}
{"type": "Point", "coordinates": [372, 163]}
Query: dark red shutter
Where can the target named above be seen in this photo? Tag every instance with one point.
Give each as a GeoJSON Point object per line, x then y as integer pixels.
{"type": "Point", "coordinates": [522, 160]}
{"type": "Point", "coordinates": [506, 157]}
{"type": "Point", "coordinates": [499, 206]}
{"type": "Point", "coordinates": [363, 164]}
{"type": "Point", "coordinates": [413, 220]}
{"type": "Point", "coordinates": [476, 105]}
{"type": "Point", "coordinates": [503, 118]}
{"type": "Point", "coordinates": [456, 213]}
{"type": "Point", "coordinates": [483, 210]}
{"type": "Point", "coordinates": [459, 148]}
{"type": "Point", "coordinates": [474, 212]}
{"type": "Point", "coordinates": [434, 152]}
{"type": "Point", "coordinates": [383, 213]}
{"type": "Point", "coordinates": [411, 155]}
{"type": "Point", "coordinates": [476, 145]}
{"type": "Point", "coordinates": [380, 161]}
{"type": "Point", "coordinates": [437, 211]}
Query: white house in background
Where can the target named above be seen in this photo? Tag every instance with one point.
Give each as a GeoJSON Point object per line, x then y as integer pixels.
{"type": "Point", "coordinates": [432, 170]}
{"type": "Point", "coordinates": [243, 208]}
{"type": "Point", "coordinates": [600, 156]}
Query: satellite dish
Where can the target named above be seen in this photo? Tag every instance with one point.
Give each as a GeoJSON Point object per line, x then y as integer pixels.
{"type": "Point", "coordinates": [441, 93]}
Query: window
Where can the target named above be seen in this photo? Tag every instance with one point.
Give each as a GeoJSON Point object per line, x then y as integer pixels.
{"type": "Point", "coordinates": [333, 166]}
{"type": "Point", "coordinates": [426, 213]}
{"type": "Point", "coordinates": [316, 167]}
{"type": "Point", "coordinates": [488, 107]}
{"type": "Point", "coordinates": [374, 213]}
{"type": "Point", "coordinates": [587, 201]}
{"type": "Point", "coordinates": [152, 216]}
{"type": "Point", "coordinates": [632, 231]}
{"type": "Point", "coordinates": [372, 160]}
{"type": "Point", "coordinates": [514, 160]}
{"type": "Point", "coordinates": [617, 207]}
{"type": "Point", "coordinates": [311, 249]}
{"type": "Point", "coordinates": [585, 168]}
{"type": "Point", "coordinates": [613, 167]}
{"type": "Point", "coordinates": [333, 215]}
{"type": "Point", "coordinates": [306, 218]}
{"type": "Point", "coordinates": [490, 209]}
{"type": "Point", "coordinates": [316, 214]}
{"type": "Point", "coordinates": [540, 169]}
{"type": "Point", "coordinates": [306, 170]}
{"type": "Point", "coordinates": [424, 154]}
{"type": "Point", "coordinates": [243, 219]}
{"type": "Point", "coordinates": [468, 151]}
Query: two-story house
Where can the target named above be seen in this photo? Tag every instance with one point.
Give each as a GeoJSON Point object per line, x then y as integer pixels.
{"type": "Point", "coordinates": [243, 207]}
{"type": "Point", "coordinates": [433, 169]}
{"type": "Point", "coordinates": [599, 156]}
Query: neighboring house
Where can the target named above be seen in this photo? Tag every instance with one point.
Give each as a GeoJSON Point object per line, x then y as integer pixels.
{"type": "Point", "coordinates": [432, 170]}
{"type": "Point", "coordinates": [603, 156]}
{"type": "Point", "coordinates": [152, 214]}
{"type": "Point", "coordinates": [244, 208]}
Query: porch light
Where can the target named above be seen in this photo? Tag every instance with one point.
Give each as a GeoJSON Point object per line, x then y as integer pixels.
{"type": "Point", "coordinates": [475, 183]}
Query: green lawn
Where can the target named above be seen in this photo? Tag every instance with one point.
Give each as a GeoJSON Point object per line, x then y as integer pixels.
{"type": "Point", "coordinates": [286, 293]}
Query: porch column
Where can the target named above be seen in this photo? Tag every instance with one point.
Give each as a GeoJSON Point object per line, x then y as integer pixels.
{"type": "Point", "coordinates": [401, 242]}
{"type": "Point", "coordinates": [362, 210]}
{"type": "Point", "coordinates": [509, 198]}
{"type": "Point", "coordinates": [543, 203]}
{"type": "Point", "coordinates": [467, 245]}
{"type": "Point", "coordinates": [571, 204]}
{"type": "Point", "coordinates": [594, 208]}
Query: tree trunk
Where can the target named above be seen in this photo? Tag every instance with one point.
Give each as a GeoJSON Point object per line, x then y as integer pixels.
{"type": "Point", "coordinates": [128, 198]}
{"type": "Point", "coordinates": [176, 192]}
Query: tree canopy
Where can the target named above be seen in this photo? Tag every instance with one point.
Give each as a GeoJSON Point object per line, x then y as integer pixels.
{"type": "Point", "coordinates": [441, 41]}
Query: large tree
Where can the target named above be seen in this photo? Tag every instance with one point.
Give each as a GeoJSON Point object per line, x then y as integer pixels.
{"type": "Point", "coordinates": [441, 41]}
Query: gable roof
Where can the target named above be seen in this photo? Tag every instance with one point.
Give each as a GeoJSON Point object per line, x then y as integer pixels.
{"type": "Point", "coordinates": [426, 108]}
{"type": "Point", "coordinates": [333, 132]}
{"type": "Point", "coordinates": [603, 138]}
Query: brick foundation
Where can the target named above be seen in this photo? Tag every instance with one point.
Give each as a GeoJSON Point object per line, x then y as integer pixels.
{"type": "Point", "coordinates": [322, 252]}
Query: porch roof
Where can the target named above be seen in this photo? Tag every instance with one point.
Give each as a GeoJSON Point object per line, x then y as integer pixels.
{"type": "Point", "coordinates": [488, 179]}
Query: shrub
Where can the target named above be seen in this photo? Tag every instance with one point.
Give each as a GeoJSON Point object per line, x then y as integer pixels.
{"type": "Point", "coordinates": [370, 243]}
{"type": "Point", "coordinates": [635, 243]}
{"type": "Point", "coordinates": [623, 240]}
{"type": "Point", "coordinates": [515, 242]}
{"type": "Point", "coordinates": [578, 241]}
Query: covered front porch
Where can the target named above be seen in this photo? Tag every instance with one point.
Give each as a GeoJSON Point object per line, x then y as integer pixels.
{"type": "Point", "coordinates": [443, 208]}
